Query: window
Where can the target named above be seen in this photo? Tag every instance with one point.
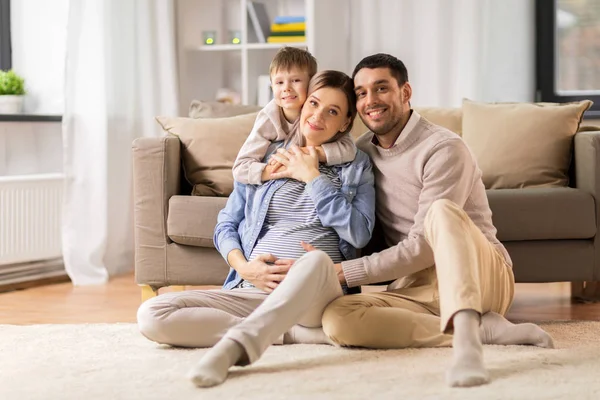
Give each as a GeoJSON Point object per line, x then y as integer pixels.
{"type": "Point", "coordinates": [5, 46]}
{"type": "Point", "coordinates": [568, 51]}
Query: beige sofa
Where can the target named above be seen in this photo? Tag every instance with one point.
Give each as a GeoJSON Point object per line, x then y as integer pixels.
{"type": "Point", "coordinates": [550, 233]}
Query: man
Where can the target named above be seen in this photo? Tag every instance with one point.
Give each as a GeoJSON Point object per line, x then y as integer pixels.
{"type": "Point", "coordinates": [453, 279]}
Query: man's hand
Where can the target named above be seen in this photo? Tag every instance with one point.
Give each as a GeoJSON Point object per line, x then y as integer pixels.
{"type": "Point", "coordinates": [265, 272]}
{"type": "Point", "coordinates": [338, 267]}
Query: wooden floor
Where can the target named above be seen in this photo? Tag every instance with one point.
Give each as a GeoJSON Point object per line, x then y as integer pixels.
{"type": "Point", "coordinates": [118, 301]}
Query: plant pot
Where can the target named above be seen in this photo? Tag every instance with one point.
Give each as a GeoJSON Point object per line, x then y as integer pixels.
{"type": "Point", "coordinates": [11, 104]}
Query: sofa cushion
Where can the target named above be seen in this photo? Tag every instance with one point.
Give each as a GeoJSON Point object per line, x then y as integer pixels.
{"type": "Point", "coordinates": [542, 213]}
{"type": "Point", "coordinates": [210, 147]}
{"type": "Point", "coordinates": [519, 214]}
{"type": "Point", "coordinates": [192, 219]}
{"type": "Point", "coordinates": [215, 109]}
{"type": "Point", "coordinates": [522, 144]}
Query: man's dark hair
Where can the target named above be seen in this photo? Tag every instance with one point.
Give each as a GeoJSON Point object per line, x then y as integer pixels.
{"type": "Point", "coordinates": [381, 60]}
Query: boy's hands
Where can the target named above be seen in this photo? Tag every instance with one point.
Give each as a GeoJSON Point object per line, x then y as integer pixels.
{"type": "Point", "coordinates": [275, 164]}
{"type": "Point", "coordinates": [299, 165]}
{"type": "Point", "coordinates": [320, 153]}
{"type": "Point", "coordinates": [270, 169]}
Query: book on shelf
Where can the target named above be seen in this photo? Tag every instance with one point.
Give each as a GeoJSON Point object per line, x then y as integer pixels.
{"type": "Point", "coordinates": [257, 13]}
{"type": "Point", "coordinates": [285, 19]}
{"type": "Point", "coordinates": [286, 39]}
{"type": "Point", "coordinates": [290, 33]}
{"type": "Point", "coordinates": [294, 26]}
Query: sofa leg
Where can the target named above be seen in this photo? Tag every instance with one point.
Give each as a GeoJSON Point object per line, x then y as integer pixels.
{"type": "Point", "coordinates": [585, 292]}
{"type": "Point", "coordinates": [148, 292]}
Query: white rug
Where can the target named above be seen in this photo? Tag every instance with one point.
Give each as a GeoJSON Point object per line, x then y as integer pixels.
{"type": "Point", "coordinates": [113, 361]}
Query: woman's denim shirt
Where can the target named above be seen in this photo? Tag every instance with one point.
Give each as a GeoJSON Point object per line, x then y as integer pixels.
{"type": "Point", "coordinates": [350, 212]}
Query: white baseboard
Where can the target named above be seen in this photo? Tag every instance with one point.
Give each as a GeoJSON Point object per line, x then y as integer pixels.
{"type": "Point", "coordinates": [25, 272]}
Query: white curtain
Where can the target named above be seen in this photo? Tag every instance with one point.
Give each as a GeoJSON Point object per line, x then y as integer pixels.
{"type": "Point", "coordinates": [120, 73]}
{"type": "Point", "coordinates": [479, 49]}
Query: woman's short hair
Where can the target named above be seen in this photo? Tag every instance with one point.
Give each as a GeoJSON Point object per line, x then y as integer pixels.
{"type": "Point", "coordinates": [336, 80]}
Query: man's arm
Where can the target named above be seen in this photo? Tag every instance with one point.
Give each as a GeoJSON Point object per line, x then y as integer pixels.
{"type": "Point", "coordinates": [448, 174]}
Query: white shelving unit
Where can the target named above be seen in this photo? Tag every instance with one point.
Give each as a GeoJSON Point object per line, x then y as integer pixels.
{"type": "Point", "coordinates": [206, 68]}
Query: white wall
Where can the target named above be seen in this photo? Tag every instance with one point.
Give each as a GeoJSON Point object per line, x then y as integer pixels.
{"type": "Point", "coordinates": [30, 148]}
{"type": "Point", "coordinates": [480, 49]}
{"type": "Point", "coordinates": [38, 29]}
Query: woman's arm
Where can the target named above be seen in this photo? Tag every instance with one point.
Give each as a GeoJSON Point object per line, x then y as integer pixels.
{"type": "Point", "coordinates": [226, 237]}
{"type": "Point", "coordinates": [265, 271]}
{"type": "Point", "coordinates": [354, 219]}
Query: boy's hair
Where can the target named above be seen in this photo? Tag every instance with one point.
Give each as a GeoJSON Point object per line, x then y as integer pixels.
{"type": "Point", "coordinates": [336, 80]}
{"type": "Point", "coordinates": [381, 60]}
{"type": "Point", "coordinates": [293, 57]}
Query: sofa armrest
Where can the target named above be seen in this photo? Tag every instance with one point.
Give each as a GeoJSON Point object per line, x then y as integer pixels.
{"type": "Point", "coordinates": [587, 163]}
{"type": "Point", "coordinates": [587, 178]}
{"type": "Point", "coordinates": [156, 177]}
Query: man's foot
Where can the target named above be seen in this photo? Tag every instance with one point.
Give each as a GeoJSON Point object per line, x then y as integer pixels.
{"type": "Point", "coordinates": [495, 329]}
{"type": "Point", "coordinates": [213, 368]}
{"type": "Point", "coordinates": [467, 367]}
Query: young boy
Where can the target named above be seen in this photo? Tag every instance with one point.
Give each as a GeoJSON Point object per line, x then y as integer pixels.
{"type": "Point", "coordinates": [290, 71]}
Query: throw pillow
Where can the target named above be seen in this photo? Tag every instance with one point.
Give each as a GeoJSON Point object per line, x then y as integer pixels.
{"type": "Point", "coordinates": [522, 144]}
{"type": "Point", "coordinates": [215, 109]}
{"type": "Point", "coordinates": [210, 146]}
{"type": "Point", "coordinates": [449, 118]}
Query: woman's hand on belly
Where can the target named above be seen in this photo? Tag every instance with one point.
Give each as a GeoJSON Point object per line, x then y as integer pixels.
{"type": "Point", "coordinates": [265, 272]}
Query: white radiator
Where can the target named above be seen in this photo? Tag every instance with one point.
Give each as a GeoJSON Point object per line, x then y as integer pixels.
{"type": "Point", "coordinates": [30, 218]}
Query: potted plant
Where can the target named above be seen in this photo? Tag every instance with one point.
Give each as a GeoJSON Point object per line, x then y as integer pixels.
{"type": "Point", "coordinates": [12, 91]}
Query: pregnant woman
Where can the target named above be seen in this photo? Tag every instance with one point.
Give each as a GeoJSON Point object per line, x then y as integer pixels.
{"type": "Point", "coordinates": [279, 284]}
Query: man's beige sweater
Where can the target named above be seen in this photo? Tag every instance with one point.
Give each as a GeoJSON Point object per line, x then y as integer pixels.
{"type": "Point", "coordinates": [426, 163]}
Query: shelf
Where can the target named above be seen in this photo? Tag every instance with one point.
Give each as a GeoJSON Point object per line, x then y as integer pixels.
{"type": "Point", "coordinates": [30, 118]}
{"type": "Point", "coordinates": [220, 47]}
{"type": "Point", "coordinates": [249, 46]}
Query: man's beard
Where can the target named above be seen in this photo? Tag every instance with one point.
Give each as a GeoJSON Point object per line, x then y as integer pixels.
{"type": "Point", "coordinates": [387, 127]}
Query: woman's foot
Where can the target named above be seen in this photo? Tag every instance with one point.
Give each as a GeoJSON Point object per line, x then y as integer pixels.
{"type": "Point", "coordinates": [495, 329]}
{"type": "Point", "coordinates": [467, 366]}
{"type": "Point", "coordinates": [213, 368]}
